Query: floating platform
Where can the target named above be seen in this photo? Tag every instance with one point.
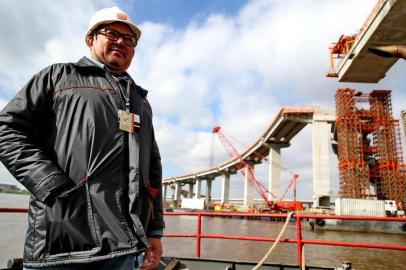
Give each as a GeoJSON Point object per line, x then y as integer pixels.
{"type": "Point", "coordinates": [394, 227]}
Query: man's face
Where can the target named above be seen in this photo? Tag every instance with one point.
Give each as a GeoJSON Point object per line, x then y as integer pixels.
{"type": "Point", "coordinates": [116, 55]}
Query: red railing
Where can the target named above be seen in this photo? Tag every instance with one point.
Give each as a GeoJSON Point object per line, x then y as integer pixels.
{"type": "Point", "coordinates": [13, 210]}
{"type": "Point", "coordinates": [298, 220]}
{"type": "Point", "coordinates": [299, 239]}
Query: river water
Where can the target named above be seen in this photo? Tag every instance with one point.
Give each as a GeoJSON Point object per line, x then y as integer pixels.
{"type": "Point", "coordinates": [13, 227]}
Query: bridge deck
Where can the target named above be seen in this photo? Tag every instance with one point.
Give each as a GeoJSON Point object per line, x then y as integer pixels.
{"type": "Point", "coordinates": [287, 124]}
{"type": "Point", "coordinates": [385, 26]}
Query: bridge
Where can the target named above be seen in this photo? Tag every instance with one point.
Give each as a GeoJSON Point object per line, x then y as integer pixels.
{"type": "Point", "coordinates": [287, 123]}
{"type": "Point", "coordinates": [386, 25]}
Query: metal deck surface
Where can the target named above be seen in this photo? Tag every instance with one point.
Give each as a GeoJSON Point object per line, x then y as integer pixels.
{"type": "Point", "coordinates": [207, 264]}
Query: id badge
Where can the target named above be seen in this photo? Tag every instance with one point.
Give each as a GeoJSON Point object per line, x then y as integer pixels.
{"type": "Point", "coordinates": [126, 121]}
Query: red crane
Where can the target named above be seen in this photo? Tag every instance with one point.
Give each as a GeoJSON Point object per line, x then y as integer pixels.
{"type": "Point", "coordinates": [246, 171]}
{"type": "Point", "coordinates": [339, 50]}
{"type": "Point", "coordinates": [293, 181]}
{"type": "Point", "coordinates": [288, 205]}
{"type": "Point", "coordinates": [243, 167]}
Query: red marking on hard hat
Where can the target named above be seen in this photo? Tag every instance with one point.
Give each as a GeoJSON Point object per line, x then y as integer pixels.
{"type": "Point", "coordinates": [121, 16]}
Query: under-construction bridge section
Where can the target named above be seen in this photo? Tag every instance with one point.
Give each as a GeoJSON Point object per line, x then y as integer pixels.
{"type": "Point", "coordinates": [386, 25]}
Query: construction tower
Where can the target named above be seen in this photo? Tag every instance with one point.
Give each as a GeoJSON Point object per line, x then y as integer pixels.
{"type": "Point", "coordinates": [369, 147]}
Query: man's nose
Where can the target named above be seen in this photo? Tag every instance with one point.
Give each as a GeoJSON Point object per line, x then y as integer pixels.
{"type": "Point", "coordinates": [120, 41]}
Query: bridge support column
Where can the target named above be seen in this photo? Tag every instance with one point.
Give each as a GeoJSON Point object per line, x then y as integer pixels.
{"type": "Point", "coordinates": [172, 195]}
{"type": "Point", "coordinates": [208, 189]}
{"type": "Point", "coordinates": [248, 190]}
{"type": "Point", "coordinates": [177, 193]}
{"type": "Point", "coordinates": [198, 188]}
{"type": "Point", "coordinates": [321, 161]}
{"type": "Point", "coordinates": [225, 189]}
{"type": "Point", "coordinates": [274, 173]}
{"type": "Point", "coordinates": [164, 191]}
{"type": "Point", "coordinates": [190, 195]}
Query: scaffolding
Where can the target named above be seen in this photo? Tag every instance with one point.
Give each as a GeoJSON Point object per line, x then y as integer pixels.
{"type": "Point", "coordinates": [369, 147]}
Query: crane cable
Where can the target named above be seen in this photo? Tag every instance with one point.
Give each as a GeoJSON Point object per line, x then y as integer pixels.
{"type": "Point", "coordinates": [261, 262]}
{"type": "Point", "coordinates": [212, 149]}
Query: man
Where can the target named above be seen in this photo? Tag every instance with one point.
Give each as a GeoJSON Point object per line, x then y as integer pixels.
{"type": "Point", "coordinates": [79, 137]}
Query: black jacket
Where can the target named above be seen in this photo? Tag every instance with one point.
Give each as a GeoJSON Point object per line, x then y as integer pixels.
{"type": "Point", "coordinates": [59, 137]}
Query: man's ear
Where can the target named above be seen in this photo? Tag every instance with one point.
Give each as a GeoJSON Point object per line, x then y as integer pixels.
{"type": "Point", "coordinates": [89, 40]}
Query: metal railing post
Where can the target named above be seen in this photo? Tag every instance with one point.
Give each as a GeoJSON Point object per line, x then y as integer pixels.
{"type": "Point", "coordinates": [198, 234]}
{"type": "Point", "coordinates": [299, 239]}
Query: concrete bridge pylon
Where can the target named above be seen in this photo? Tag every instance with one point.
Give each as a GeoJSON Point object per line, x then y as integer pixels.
{"type": "Point", "coordinates": [321, 139]}
{"type": "Point", "coordinates": [225, 189]}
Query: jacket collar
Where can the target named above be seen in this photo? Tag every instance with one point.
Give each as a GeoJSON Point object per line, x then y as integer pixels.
{"type": "Point", "coordinates": [87, 63]}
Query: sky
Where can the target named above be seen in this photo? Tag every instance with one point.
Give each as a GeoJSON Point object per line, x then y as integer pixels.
{"type": "Point", "coordinates": [230, 63]}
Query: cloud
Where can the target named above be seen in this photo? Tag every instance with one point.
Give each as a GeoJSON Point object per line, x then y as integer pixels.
{"type": "Point", "coordinates": [269, 49]}
{"type": "Point", "coordinates": [40, 33]}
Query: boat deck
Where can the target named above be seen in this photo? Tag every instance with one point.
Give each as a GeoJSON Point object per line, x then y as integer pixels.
{"type": "Point", "coordinates": [205, 264]}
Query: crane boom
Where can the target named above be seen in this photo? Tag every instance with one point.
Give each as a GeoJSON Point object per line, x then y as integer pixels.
{"type": "Point", "coordinates": [294, 179]}
{"type": "Point", "coordinates": [243, 166]}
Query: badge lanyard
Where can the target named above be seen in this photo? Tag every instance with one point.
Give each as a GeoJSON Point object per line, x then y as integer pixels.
{"type": "Point", "coordinates": [128, 121]}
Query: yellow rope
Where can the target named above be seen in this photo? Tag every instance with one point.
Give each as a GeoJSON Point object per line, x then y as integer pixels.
{"type": "Point", "coordinates": [261, 262]}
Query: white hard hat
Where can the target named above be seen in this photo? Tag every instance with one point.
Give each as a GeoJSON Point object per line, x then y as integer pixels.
{"type": "Point", "coordinates": [111, 15]}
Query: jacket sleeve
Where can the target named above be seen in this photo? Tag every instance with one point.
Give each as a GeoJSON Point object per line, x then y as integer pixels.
{"type": "Point", "coordinates": [20, 150]}
{"type": "Point", "coordinates": [157, 223]}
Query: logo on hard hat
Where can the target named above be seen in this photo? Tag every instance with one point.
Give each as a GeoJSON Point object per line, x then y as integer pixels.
{"type": "Point", "coordinates": [121, 16]}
